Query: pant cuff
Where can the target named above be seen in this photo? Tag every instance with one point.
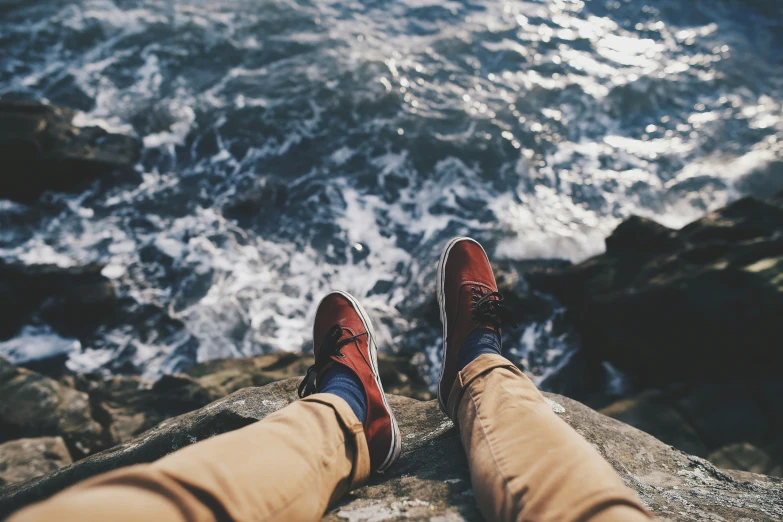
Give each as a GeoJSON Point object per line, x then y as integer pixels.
{"type": "Point", "coordinates": [475, 369]}
{"type": "Point", "coordinates": [354, 434]}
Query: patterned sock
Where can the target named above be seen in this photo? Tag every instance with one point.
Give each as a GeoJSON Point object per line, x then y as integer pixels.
{"type": "Point", "coordinates": [480, 341]}
{"type": "Point", "coordinates": [341, 381]}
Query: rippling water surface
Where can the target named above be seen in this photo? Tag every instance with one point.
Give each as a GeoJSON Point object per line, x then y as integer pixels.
{"type": "Point", "coordinates": [292, 147]}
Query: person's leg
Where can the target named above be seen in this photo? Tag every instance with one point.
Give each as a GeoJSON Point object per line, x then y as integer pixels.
{"type": "Point", "coordinates": [525, 462]}
{"type": "Point", "coordinates": [288, 467]}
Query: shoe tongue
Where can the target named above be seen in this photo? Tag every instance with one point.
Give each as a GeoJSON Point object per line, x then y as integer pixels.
{"type": "Point", "coordinates": [487, 325]}
{"type": "Point", "coordinates": [483, 288]}
{"type": "Point", "coordinates": [329, 365]}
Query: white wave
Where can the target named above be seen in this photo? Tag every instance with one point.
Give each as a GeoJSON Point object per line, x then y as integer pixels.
{"type": "Point", "coordinates": [558, 122]}
{"type": "Point", "coordinates": [36, 343]}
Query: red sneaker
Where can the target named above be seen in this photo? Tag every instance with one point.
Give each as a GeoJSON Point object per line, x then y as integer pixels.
{"type": "Point", "coordinates": [469, 299]}
{"type": "Point", "coordinates": [343, 334]}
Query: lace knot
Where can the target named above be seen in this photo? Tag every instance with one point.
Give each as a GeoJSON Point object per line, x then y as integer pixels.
{"type": "Point", "coordinates": [490, 308]}
{"type": "Point", "coordinates": [330, 346]}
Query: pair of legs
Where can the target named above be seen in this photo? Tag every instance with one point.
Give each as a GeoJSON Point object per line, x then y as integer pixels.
{"type": "Point", "coordinates": [526, 463]}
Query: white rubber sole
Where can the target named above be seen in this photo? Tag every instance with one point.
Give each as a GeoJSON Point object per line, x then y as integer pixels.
{"type": "Point", "coordinates": [444, 257]}
{"type": "Point", "coordinates": [396, 446]}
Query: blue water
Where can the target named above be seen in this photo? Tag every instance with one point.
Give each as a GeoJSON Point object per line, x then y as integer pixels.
{"type": "Point", "coordinates": [368, 134]}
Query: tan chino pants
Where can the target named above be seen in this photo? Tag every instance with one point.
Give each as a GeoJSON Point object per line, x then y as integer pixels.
{"type": "Point", "coordinates": [526, 465]}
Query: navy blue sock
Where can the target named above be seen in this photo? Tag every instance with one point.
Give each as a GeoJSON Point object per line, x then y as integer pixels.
{"type": "Point", "coordinates": [342, 382]}
{"type": "Point", "coordinates": [478, 342]}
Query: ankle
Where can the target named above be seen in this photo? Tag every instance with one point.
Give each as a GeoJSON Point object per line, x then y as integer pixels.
{"type": "Point", "coordinates": [479, 342]}
{"type": "Point", "coordinates": [341, 381]}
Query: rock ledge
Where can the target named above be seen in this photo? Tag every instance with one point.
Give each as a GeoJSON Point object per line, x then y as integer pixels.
{"type": "Point", "coordinates": [431, 481]}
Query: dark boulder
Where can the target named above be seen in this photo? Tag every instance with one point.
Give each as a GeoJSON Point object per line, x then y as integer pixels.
{"type": "Point", "coordinates": [70, 299]}
{"type": "Point", "coordinates": [746, 456]}
{"type": "Point", "coordinates": [735, 424]}
{"type": "Point", "coordinates": [668, 305]}
{"type": "Point", "coordinates": [431, 480]}
{"type": "Point", "coordinates": [32, 405]}
{"type": "Point", "coordinates": [42, 150]}
{"type": "Point", "coordinates": [255, 200]}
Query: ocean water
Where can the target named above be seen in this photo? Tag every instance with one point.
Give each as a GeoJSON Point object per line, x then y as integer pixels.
{"type": "Point", "coordinates": [293, 147]}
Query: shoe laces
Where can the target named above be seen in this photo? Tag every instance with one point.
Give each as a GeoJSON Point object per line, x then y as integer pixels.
{"type": "Point", "coordinates": [490, 308]}
{"type": "Point", "coordinates": [330, 346]}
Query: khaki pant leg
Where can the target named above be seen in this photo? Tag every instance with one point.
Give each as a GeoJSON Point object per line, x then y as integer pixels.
{"type": "Point", "coordinates": [288, 467]}
{"type": "Point", "coordinates": [526, 463]}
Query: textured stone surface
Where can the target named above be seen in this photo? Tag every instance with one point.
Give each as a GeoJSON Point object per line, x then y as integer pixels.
{"type": "Point", "coordinates": [127, 405]}
{"type": "Point", "coordinates": [431, 480]}
{"type": "Point", "coordinates": [92, 413]}
{"type": "Point", "coordinates": [32, 405]}
{"type": "Point", "coordinates": [24, 459]}
{"type": "Point", "coordinates": [223, 376]}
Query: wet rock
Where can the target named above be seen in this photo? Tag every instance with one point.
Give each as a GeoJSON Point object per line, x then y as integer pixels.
{"type": "Point", "coordinates": [734, 424]}
{"type": "Point", "coordinates": [46, 152]}
{"type": "Point", "coordinates": [748, 457]}
{"type": "Point", "coordinates": [432, 479]}
{"type": "Point", "coordinates": [526, 304]}
{"type": "Point", "coordinates": [359, 252]}
{"type": "Point", "coordinates": [9, 4]}
{"type": "Point", "coordinates": [43, 151]}
{"type": "Point", "coordinates": [667, 305]}
{"type": "Point", "coordinates": [24, 459]}
{"type": "Point", "coordinates": [762, 181]}
{"type": "Point", "coordinates": [651, 413]}
{"type": "Point", "coordinates": [255, 199]}
{"type": "Point", "coordinates": [70, 299]}
{"type": "Point", "coordinates": [32, 405]}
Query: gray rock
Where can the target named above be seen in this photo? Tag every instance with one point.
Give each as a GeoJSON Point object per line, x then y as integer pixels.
{"type": "Point", "coordinates": [431, 480]}
{"type": "Point", "coordinates": [24, 459]}
{"type": "Point", "coordinates": [32, 405]}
